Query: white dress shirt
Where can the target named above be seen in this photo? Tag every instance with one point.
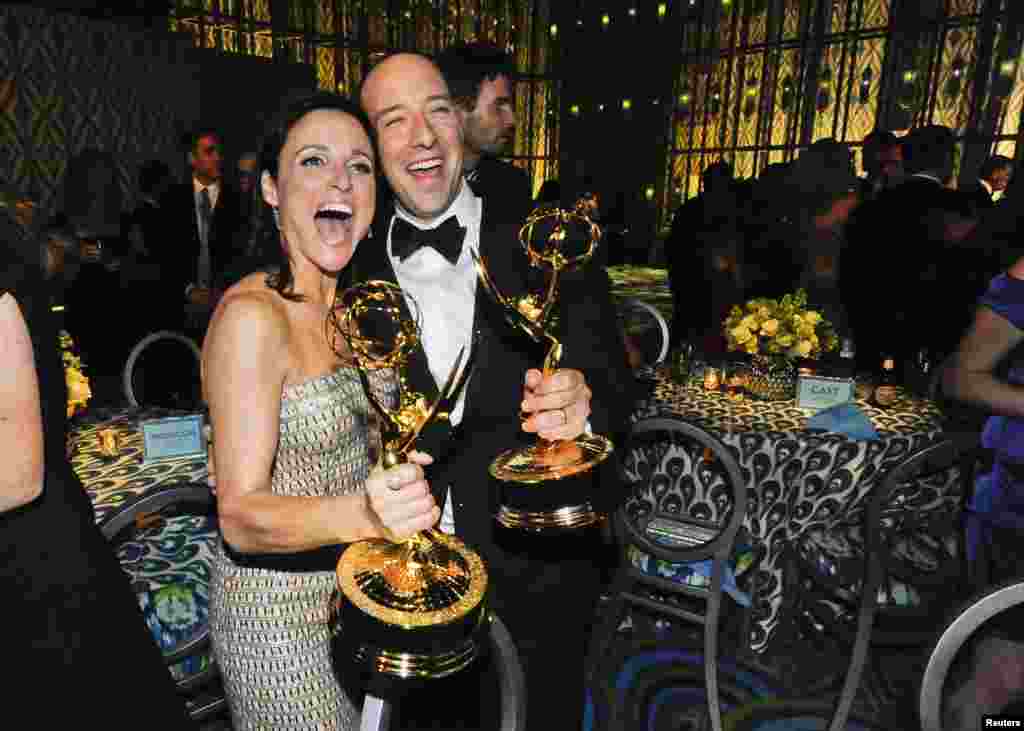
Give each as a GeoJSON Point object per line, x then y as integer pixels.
{"type": "Point", "coordinates": [446, 298]}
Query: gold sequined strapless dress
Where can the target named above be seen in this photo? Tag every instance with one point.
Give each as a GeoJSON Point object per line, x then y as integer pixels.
{"type": "Point", "coordinates": [271, 629]}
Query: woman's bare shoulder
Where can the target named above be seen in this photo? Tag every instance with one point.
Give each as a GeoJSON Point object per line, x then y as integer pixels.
{"type": "Point", "coordinates": [251, 311]}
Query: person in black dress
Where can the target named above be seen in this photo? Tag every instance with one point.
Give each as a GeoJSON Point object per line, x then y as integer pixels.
{"type": "Point", "coordinates": [72, 632]}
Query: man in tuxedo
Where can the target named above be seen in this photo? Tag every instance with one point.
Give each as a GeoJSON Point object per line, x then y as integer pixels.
{"type": "Point", "coordinates": [543, 587]}
{"type": "Point", "coordinates": [993, 177]}
{"type": "Point", "coordinates": [480, 78]}
{"type": "Point", "coordinates": [702, 253]}
{"type": "Point", "coordinates": [201, 217]}
{"type": "Point", "coordinates": [907, 244]}
{"type": "Point", "coordinates": [882, 160]}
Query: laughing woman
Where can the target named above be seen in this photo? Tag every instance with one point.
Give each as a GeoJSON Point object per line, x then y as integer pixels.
{"type": "Point", "coordinates": [291, 435]}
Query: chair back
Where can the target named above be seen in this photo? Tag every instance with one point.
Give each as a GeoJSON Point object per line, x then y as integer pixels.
{"type": "Point", "coordinates": [897, 514]}
{"type": "Point", "coordinates": [165, 540]}
{"type": "Point", "coordinates": [377, 711]}
{"type": "Point", "coordinates": [688, 496]}
{"type": "Point", "coordinates": [163, 369]}
{"type": "Point", "coordinates": [955, 636]}
{"type": "Point", "coordinates": [688, 502]}
{"type": "Point", "coordinates": [646, 328]}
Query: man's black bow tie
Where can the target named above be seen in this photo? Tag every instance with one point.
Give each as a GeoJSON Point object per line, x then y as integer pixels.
{"type": "Point", "coordinates": [447, 238]}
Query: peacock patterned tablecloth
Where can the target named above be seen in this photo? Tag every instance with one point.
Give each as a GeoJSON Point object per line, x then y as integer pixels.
{"type": "Point", "coordinates": [807, 489]}
{"type": "Point", "coordinates": [169, 561]}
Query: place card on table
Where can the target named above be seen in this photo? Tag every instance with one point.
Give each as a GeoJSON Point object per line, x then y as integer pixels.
{"type": "Point", "coordinates": [823, 392]}
{"type": "Point", "coordinates": [175, 437]}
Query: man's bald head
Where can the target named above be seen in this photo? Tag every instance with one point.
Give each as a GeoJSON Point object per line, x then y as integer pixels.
{"type": "Point", "coordinates": [418, 133]}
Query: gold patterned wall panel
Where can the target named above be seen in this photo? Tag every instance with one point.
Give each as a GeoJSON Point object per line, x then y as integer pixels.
{"type": "Point", "coordinates": [757, 27]}
{"type": "Point", "coordinates": [786, 90]}
{"type": "Point", "coordinates": [748, 97]}
{"type": "Point", "coordinates": [72, 84]}
{"type": "Point", "coordinates": [1009, 121]}
{"type": "Point", "coordinates": [792, 20]}
{"type": "Point", "coordinates": [791, 72]}
{"type": "Point", "coordinates": [963, 7]}
{"type": "Point", "coordinates": [869, 54]}
{"type": "Point", "coordinates": [340, 39]}
{"type": "Point", "coordinates": [953, 93]}
{"type": "Point", "coordinates": [875, 14]}
{"type": "Point", "coordinates": [325, 69]}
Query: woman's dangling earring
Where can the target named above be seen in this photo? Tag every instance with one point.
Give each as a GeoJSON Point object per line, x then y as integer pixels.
{"type": "Point", "coordinates": [277, 217]}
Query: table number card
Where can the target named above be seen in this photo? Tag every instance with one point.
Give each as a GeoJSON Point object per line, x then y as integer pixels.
{"type": "Point", "coordinates": [176, 437]}
{"type": "Point", "coordinates": [822, 392]}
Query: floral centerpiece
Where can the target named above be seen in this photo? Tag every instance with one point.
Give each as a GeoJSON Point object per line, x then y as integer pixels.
{"type": "Point", "coordinates": [79, 392]}
{"type": "Point", "coordinates": [776, 333]}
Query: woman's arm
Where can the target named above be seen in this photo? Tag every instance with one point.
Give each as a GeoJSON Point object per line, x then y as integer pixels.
{"type": "Point", "coordinates": [21, 421]}
{"type": "Point", "coordinates": [244, 370]}
{"type": "Point", "coordinates": [969, 375]}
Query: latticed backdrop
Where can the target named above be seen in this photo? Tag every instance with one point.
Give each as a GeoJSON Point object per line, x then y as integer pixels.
{"type": "Point", "coordinates": [760, 79]}
{"type": "Point", "coordinates": [67, 83]}
{"type": "Point", "coordinates": [342, 39]}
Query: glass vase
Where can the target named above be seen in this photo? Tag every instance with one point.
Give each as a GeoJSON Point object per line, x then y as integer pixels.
{"type": "Point", "coordinates": [772, 378]}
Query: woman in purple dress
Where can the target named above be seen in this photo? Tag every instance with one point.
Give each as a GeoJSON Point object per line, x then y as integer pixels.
{"type": "Point", "coordinates": [985, 372]}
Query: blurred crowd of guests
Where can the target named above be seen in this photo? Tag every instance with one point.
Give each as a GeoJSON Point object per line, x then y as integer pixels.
{"type": "Point", "coordinates": [896, 259]}
{"type": "Point", "coordinates": [120, 272]}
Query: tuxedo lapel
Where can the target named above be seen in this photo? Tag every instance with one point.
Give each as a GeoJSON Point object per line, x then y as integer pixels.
{"type": "Point", "coordinates": [507, 266]}
{"type": "Point", "coordinates": [484, 310]}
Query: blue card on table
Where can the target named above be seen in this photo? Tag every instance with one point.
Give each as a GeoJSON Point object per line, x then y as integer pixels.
{"type": "Point", "coordinates": [823, 392]}
{"type": "Point", "coordinates": [176, 437]}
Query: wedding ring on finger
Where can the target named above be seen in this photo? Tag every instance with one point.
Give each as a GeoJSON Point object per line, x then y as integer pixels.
{"type": "Point", "coordinates": [565, 416]}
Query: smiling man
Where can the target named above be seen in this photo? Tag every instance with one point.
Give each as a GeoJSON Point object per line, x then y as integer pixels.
{"type": "Point", "coordinates": [423, 244]}
{"type": "Point", "coordinates": [481, 78]}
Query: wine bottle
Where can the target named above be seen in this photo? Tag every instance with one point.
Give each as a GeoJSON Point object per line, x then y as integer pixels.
{"type": "Point", "coordinates": [847, 354]}
{"type": "Point", "coordinates": [885, 391]}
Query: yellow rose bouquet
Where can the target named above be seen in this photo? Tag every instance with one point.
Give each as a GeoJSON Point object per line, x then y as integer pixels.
{"type": "Point", "coordinates": [784, 327]}
{"type": "Point", "coordinates": [79, 392]}
{"type": "Point", "coordinates": [775, 333]}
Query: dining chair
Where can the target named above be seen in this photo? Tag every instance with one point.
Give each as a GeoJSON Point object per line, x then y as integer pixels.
{"type": "Point", "coordinates": [163, 369]}
{"type": "Point", "coordinates": [687, 504]}
{"type": "Point", "coordinates": [910, 567]}
{"type": "Point", "coordinates": [956, 635]}
{"type": "Point", "coordinates": [647, 329]}
{"type": "Point", "coordinates": [165, 541]}
{"type": "Point", "coordinates": [917, 548]}
{"type": "Point", "coordinates": [377, 711]}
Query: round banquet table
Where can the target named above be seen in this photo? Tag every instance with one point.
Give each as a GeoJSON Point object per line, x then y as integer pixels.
{"type": "Point", "coordinates": [113, 481]}
{"type": "Point", "coordinates": [807, 488]}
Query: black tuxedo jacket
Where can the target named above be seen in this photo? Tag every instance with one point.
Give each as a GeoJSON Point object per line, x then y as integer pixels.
{"type": "Point", "coordinates": [179, 257]}
{"type": "Point", "coordinates": [902, 281]}
{"type": "Point", "coordinates": [977, 200]}
{"type": "Point", "coordinates": [490, 420]}
{"type": "Point", "coordinates": [505, 189]}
